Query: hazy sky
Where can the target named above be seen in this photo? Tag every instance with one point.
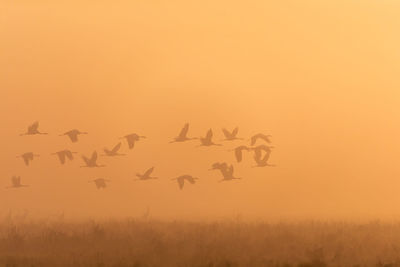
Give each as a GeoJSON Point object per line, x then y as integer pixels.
{"type": "Point", "coordinates": [322, 77]}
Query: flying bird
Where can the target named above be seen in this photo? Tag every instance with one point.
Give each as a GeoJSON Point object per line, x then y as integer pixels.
{"type": "Point", "coordinates": [262, 161]}
{"type": "Point", "coordinates": [113, 152]}
{"type": "Point", "coordinates": [227, 172]}
{"type": "Point", "coordinates": [28, 157]}
{"type": "Point", "coordinates": [181, 180]}
{"type": "Point", "coordinates": [64, 154]}
{"type": "Point", "coordinates": [33, 129]}
{"type": "Point", "coordinates": [261, 136]}
{"type": "Point", "coordinates": [73, 135]}
{"type": "Point", "coordinates": [182, 137]}
{"type": "Point", "coordinates": [132, 138]}
{"type": "Point", "coordinates": [207, 140]}
{"type": "Point", "coordinates": [146, 175]}
{"type": "Point", "coordinates": [229, 136]}
{"type": "Point", "coordinates": [100, 183]}
{"type": "Point", "coordinates": [16, 182]}
{"type": "Point", "coordinates": [91, 163]}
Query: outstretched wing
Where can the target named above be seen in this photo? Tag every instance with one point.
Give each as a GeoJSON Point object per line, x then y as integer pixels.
{"type": "Point", "coordinates": [100, 183]}
{"type": "Point", "coordinates": [190, 179]}
{"type": "Point", "coordinates": [148, 172]}
{"type": "Point", "coordinates": [16, 180]}
{"type": "Point", "coordinates": [116, 148]}
{"type": "Point", "coordinates": [33, 127]}
{"type": "Point", "coordinates": [265, 138]}
{"type": "Point", "coordinates": [181, 182]}
{"type": "Point", "coordinates": [93, 159]}
{"type": "Point", "coordinates": [61, 156]}
{"type": "Point", "coordinates": [131, 141]}
{"type": "Point", "coordinates": [73, 136]}
{"type": "Point", "coordinates": [184, 131]}
{"type": "Point", "coordinates": [87, 161]}
{"type": "Point", "coordinates": [209, 134]}
{"type": "Point", "coordinates": [226, 133]}
{"type": "Point", "coordinates": [259, 136]}
{"type": "Point", "coordinates": [235, 131]}
{"type": "Point", "coordinates": [238, 154]}
{"type": "Point", "coordinates": [266, 157]}
{"type": "Point", "coordinates": [68, 154]}
{"type": "Point", "coordinates": [253, 139]}
{"type": "Point", "coordinates": [26, 159]}
{"type": "Point", "coordinates": [230, 170]}
{"type": "Point", "coordinates": [257, 154]}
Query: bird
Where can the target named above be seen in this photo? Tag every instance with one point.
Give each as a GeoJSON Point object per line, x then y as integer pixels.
{"type": "Point", "coordinates": [181, 180]}
{"type": "Point", "coordinates": [73, 135]}
{"type": "Point", "coordinates": [63, 154]}
{"type": "Point", "coordinates": [113, 152]}
{"type": "Point", "coordinates": [33, 129]}
{"type": "Point", "coordinates": [262, 161]}
{"type": "Point", "coordinates": [16, 182]}
{"type": "Point", "coordinates": [28, 157]}
{"type": "Point", "coordinates": [182, 137]}
{"type": "Point", "coordinates": [91, 163]}
{"type": "Point", "coordinates": [227, 172]}
{"type": "Point", "coordinates": [239, 152]}
{"type": "Point", "coordinates": [207, 140]}
{"type": "Point", "coordinates": [229, 136]}
{"type": "Point", "coordinates": [132, 138]}
{"type": "Point", "coordinates": [146, 175]}
{"type": "Point", "coordinates": [261, 136]}
{"type": "Point", "coordinates": [100, 183]}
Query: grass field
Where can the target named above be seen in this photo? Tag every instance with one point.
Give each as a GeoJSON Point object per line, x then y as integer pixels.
{"type": "Point", "coordinates": [226, 243]}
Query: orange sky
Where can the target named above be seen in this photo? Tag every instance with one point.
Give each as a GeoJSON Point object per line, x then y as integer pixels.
{"type": "Point", "coordinates": [320, 76]}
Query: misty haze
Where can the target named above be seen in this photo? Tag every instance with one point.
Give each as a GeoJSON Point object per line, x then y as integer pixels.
{"type": "Point", "coordinates": [212, 133]}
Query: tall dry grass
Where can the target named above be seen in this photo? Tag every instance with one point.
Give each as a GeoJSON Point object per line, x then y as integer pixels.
{"type": "Point", "coordinates": [139, 242]}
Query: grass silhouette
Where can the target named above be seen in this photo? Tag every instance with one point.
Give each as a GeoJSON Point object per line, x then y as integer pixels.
{"type": "Point", "coordinates": [142, 242]}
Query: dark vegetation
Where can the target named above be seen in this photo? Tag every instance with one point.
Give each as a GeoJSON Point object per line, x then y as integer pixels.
{"type": "Point", "coordinates": [145, 243]}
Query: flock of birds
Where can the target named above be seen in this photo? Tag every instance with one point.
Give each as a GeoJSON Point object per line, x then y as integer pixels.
{"type": "Point", "coordinates": [261, 154]}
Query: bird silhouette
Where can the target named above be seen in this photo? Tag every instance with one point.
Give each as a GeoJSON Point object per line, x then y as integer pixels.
{"type": "Point", "coordinates": [28, 157]}
{"type": "Point", "coordinates": [146, 175]}
{"type": "Point", "coordinates": [207, 140]}
{"type": "Point", "coordinates": [181, 180]}
{"type": "Point", "coordinates": [113, 152]}
{"type": "Point", "coordinates": [16, 182]}
{"type": "Point", "coordinates": [131, 139]}
{"type": "Point", "coordinates": [239, 152]}
{"type": "Point", "coordinates": [100, 183]}
{"type": "Point", "coordinates": [64, 154]}
{"type": "Point", "coordinates": [229, 136]}
{"type": "Point", "coordinates": [182, 137]}
{"type": "Point", "coordinates": [33, 129]}
{"type": "Point", "coordinates": [73, 135]}
{"type": "Point", "coordinates": [91, 163]}
{"type": "Point", "coordinates": [261, 136]}
{"type": "Point", "coordinates": [227, 172]}
{"type": "Point", "coordinates": [262, 161]}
